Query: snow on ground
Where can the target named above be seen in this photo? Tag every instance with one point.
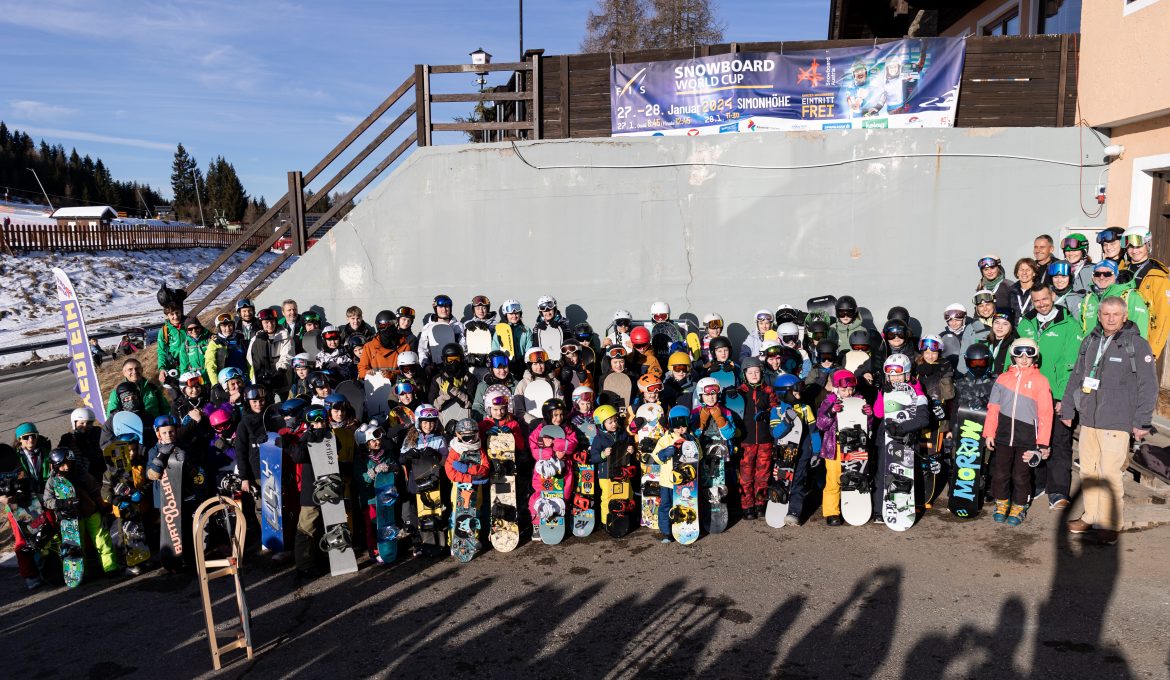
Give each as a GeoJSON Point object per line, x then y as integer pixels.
{"type": "Point", "coordinates": [117, 290]}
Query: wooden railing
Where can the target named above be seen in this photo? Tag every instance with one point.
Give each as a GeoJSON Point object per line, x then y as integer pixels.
{"type": "Point", "coordinates": [17, 238]}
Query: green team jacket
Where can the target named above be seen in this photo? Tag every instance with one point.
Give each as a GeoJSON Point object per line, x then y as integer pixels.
{"type": "Point", "coordinates": [1060, 343]}
{"type": "Point", "coordinates": [170, 343]}
{"type": "Point", "coordinates": [1136, 307]}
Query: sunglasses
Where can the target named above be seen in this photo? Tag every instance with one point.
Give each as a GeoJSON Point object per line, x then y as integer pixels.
{"type": "Point", "coordinates": [499, 362]}
{"type": "Point", "coordinates": [1107, 237]}
{"type": "Point", "coordinates": [616, 353]}
{"type": "Point", "coordinates": [404, 388]}
{"type": "Point", "coordinates": [928, 344]}
{"type": "Point", "coordinates": [955, 315]}
{"type": "Point", "coordinates": [1024, 351]}
{"type": "Point", "coordinates": [1103, 275]}
{"type": "Point", "coordinates": [988, 262]}
{"type": "Point", "coordinates": [480, 301]}
{"type": "Point", "coordinates": [894, 370]}
{"type": "Point", "coordinates": [1070, 244]}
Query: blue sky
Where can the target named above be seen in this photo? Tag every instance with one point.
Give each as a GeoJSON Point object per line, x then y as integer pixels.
{"type": "Point", "coordinates": [271, 85]}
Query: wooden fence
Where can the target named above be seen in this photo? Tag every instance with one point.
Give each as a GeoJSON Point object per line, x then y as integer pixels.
{"type": "Point", "coordinates": [1007, 81]}
{"type": "Point", "coordinates": [46, 237]}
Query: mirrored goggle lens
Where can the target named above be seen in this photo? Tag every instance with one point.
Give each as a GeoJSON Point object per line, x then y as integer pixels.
{"type": "Point", "coordinates": [988, 262]}
{"type": "Point", "coordinates": [932, 345]}
{"type": "Point", "coordinates": [1070, 244]}
{"type": "Point", "coordinates": [499, 362]}
{"type": "Point", "coordinates": [404, 388]}
{"type": "Point", "coordinates": [1107, 237]}
{"type": "Point", "coordinates": [1024, 351]}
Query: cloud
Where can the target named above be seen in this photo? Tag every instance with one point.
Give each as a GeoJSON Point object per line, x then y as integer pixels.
{"type": "Point", "coordinates": [83, 136]}
{"type": "Point", "coordinates": [34, 110]}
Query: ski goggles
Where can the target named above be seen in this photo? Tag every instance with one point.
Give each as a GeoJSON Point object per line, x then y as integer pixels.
{"type": "Point", "coordinates": [929, 344]}
{"type": "Point", "coordinates": [406, 311]}
{"type": "Point", "coordinates": [659, 318]}
{"type": "Point", "coordinates": [499, 400]}
{"type": "Point", "coordinates": [1024, 351]}
{"type": "Point", "coordinates": [1070, 243]}
{"type": "Point", "coordinates": [900, 332]}
{"type": "Point", "coordinates": [955, 314]}
{"type": "Point", "coordinates": [481, 301]}
{"type": "Point", "coordinates": [716, 325]}
{"type": "Point", "coordinates": [499, 361]}
{"type": "Point", "coordinates": [1058, 268]}
{"type": "Point", "coordinates": [568, 349]}
{"type": "Point", "coordinates": [547, 307]}
{"type": "Point", "coordinates": [443, 301]}
{"type": "Point", "coordinates": [983, 299]}
{"type": "Point", "coordinates": [616, 353]}
{"type": "Point", "coordinates": [224, 318]}
{"type": "Point", "coordinates": [266, 314]}
{"type": "Point", "coordinates": [403, 388]}
{"type": "Point", "coordinates": [894, 369]}
{"type": "Point", "coordinates": [1108, 236]}
{"type": "Point", "coordinates": [513, 308]}
{"type": "Point", "coordinates": [711, 389]}
{"type": "Point", "coordinates": [985, 262]}
{"type": "Point", "coordinates": [316, 414]}
{"type": "Point", "coordinates": [537, 357]}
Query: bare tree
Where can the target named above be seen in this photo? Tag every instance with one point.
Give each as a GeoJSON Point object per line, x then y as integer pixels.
{"type": "Point", "coordinates": [682, 23]}
{"type": "Point", "coordinates": [615, 25]}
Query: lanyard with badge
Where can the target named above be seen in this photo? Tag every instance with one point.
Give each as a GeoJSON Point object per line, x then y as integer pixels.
{"type": "Point", "coordinates": [1091, 381]}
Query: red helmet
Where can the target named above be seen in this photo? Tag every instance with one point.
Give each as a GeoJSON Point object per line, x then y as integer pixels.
{"type": "Point", "coordinates": [640, 336]}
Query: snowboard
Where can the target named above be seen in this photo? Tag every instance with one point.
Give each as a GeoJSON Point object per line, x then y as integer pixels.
{"type": "Point", "coordinates": [713, 477]}
{"type": "Point", "coordinates": [504, 338]}
{"type": "Point", "coordinates": [465, 543]}
{"type": "Point", "coordinates": [822, 308]}
{"type": "Point", "coordinates": [72, 551]}
{"type": "Point", "coordinates": [645, 440]}
{"type": "Point", "coordinates": [329, 494]}
{"type": "Point", "coordinates": [126, 422]}
{"type": "Point", "coordinates": [126, 481]}
{"type": "Point", "coordinates": [355, 395]}
{"type": "Point", "coordinates": [662, 336]}
{"type": "Point", "coordinates": [617, 492]}
{"type": "Point", "coordinates": [550, 339]}
{"type": "Point", "coordinates": [429, 510]}
{"type": "Point", "coordinates": [536, 393]}
{"type": "Point", "coordinates": [505, 531]}
{"type": "Point", "coordinates": [898, 505]}
{"type": "Point", "coordinates": [551, 504]}
{"type": "Point", "coordinates": [479, 338]}
{"type": "Point", "coordinates": [272, 530]}
{"type": "Point", "coordinates": [785, 455]}
{"type": "Point", "coordinates": [734, 400]}
{"type": "Point", "coordinates": [854, 359]}
{"type": "Point", "coordinates": [966, 495]}
{"type": "Point", "coordinates": [617, 390]}
{"type": "Point", "coordinates": [853, 450]}
{"type": "Point", "coordinates": [170, 535]}
{"type": "Point", "coordinates": [377, 394]}
{"type": "Point", "coordinates": [385, 498]}
{"type": "Point", "coordinates": [442, 334]}
{"type": "Point", "coordinates": [684, 514]}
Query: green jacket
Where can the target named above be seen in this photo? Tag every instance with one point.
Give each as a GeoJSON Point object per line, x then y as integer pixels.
{"type": "Point", "coordinates": [170, 341]}
{"type": "Point", "coordinates": [1060, 343]}
{"type": "Point", "coordinates": [154, 402]}
{"type": "Point", "coordinates": [1138, 313]}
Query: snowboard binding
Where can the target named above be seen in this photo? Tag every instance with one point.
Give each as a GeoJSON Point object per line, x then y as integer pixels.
{"type": "Point", "coordinates": [685, 474]}
{"type": "Point", "coordinates": [328, 489]}
{"type": "Point", "coordinates": [336, 537]}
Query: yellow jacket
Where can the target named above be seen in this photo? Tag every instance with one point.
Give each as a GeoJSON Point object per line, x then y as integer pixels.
{"type": "Point", "coordinates": [1155, 290]}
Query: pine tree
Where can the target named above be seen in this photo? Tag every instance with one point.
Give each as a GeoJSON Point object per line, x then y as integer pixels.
{"type": "Point", "coordinates": [615, 25]}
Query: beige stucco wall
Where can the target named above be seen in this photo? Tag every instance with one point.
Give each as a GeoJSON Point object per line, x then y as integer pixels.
{"type": "Point", "coordinates": [992, 8]}
{"type": "Point", "coordinates": [1125, 61]}
{"type": "Point", "coordinates": [1147, 147]}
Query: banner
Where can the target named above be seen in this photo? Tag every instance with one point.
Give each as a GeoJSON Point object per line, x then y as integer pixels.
{"type": "Point", "coordinates": [80, 360]}
{"type": "Point", "coordinates": [903, 84]}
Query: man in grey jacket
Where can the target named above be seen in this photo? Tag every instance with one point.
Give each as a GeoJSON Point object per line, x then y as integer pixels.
{"type": "Point", "coordinates": [1114, 389]}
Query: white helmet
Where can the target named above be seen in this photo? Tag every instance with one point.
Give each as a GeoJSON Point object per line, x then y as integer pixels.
{"type": "Point", "coordinates": [622, 315]}
{"type": "Point", "coordinates": [546, 301]}
{"type": "Point", "coordinates": [712, 317]}
{"type": "Point", "coordinates": [659, 308]}
{"type": "Point", "coordinates": [407, 358]}
{"type": "Point", "coordinates": [788, 328]}
{"type": "Point", "coordinates": [1139, 232]}
{"type": "Point", "coordinates": [511, 307]}
{"type": "Point", "coordinates": [82, 414]}
{"type": "Point", "coordinates": [898, 364]}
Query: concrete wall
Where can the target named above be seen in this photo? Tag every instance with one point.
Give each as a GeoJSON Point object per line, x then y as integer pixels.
{"type": "Point", "coordinates": [465, 220]}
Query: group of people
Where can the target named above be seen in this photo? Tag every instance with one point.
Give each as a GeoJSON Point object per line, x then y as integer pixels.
{"type": "Point", "coordinates": [1068, 343]}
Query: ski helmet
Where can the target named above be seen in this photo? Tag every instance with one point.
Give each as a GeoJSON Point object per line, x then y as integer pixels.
{"type": "Point", "coordinates": [930, 342]}
{"type": "Point", "coordinates": [708, 385]}
{"type": "Point", "coordinates": [859, 339]}
{"type": "Point", "coordinates": [896, 364]}
{"type": "Point", "coordinates": [82, 414]}
{"type": "Point", "coordinates": [546, 303]}
{"type": "Point", "coordinates": [843, 378]}
{"type": "Point", "coordinates": [229, 373]}
{"type": "Point", "coordinates": [659, 311]}
{"type": "Point", "coordinates": [1137, 237]}
{"type": "Point", "coordinates": [845, 305]}
{"type": "Point", "coordinates": [680, 416]}
{"type": "Point", "coordinates": [452, 353]}
{"type": "Point", "coordinates": [720, 342]}
{"type": "Point", "coordinates": [640, 337]}
{"type": "Point", "coordinates": [407, 358]}
{"type": "Point", "coordinates": [649, 382]}
{"type": "Point", "coordinates": [497, 395]}
{"type": "Point", "coordinates": [622, 315]}
{"type": "Point", "coordinates": [165, 420]}
{"type": "Point", "coordinates": [899, 313]}
{"type": "Point", "coordinates": [302, 360]}
{"type": "Point", "coordinates": [977, 355]}
{"type": "Point", "coordinates": [554, 404]}
{"type": "Point", "coordinates": [60, 456]}
{"type": "Point", "coordinates": [826, 350]}
{"type": "Point", "coordinates": [604, 413]}
{"type": "Point", "coordinates": [426, 412]}
{"type": "Point", "coordinates": [442, 300]}
{"type": "Point", "coordinates": [467, 430]}
{"type": "Point", "coordinates": [1074, 241]}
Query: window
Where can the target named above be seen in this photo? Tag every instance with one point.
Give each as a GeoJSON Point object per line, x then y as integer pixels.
{"type": "Point", "coordinates": [1007, 23]}
{"type": "Point", "coordinates": [1059, 16]}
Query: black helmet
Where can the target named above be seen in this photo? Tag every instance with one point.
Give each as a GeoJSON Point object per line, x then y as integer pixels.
{"type": "Point", "coordinates": [452, 353]}
{"type": "Point", "coordinates": [718, 342]}
{"type": "Point", "coordinates": [846, 304]}
{"type": "Point", "coordinates": [859, 337]}
{"type": "Point", "coordinates": [899, 313]}
{"type": "Point", "coordinates": [826, 349]}
{"type": "Point", "coordinates": [385, 319]}
{"type": "Point", "coordinates": [551, 405]}
{"type": "Point", "coordinates": [60, 456]}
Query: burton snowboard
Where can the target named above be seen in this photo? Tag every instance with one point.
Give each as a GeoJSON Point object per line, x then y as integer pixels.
{"type": "Point", "coordinates": [713, 478]}
{"type": "Point", "coordinates": [646, 439]}
{"type": "Point", "coordinates": [505, 532]}
{"type": "Point", "coordinates": [898, 506]}
{"type": "Point", "coordinates": [329, 494]}
{"type": "Point", "coordinates": [67, 512]}
{"type": "Point", "coordinates": [550, 507]}
{"type": "Point", "coordinates": [785, 455]}
{"type": "Point", "coordinates": [853, 450]}
{"type": "Point", "coordinates": [966, 495]}
{"type": "Point", "coordinates": [684, 514]}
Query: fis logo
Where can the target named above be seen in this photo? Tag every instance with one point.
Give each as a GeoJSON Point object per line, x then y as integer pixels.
{"type": "Point", "coordinates": [634, 84]}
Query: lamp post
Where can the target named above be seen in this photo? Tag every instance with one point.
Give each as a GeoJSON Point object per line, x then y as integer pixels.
{"type": "Point", "coordinates": [42, 186]}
